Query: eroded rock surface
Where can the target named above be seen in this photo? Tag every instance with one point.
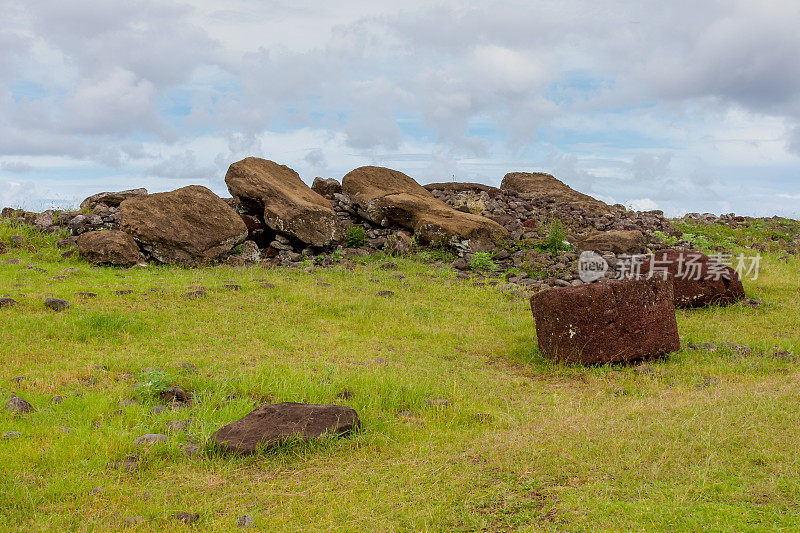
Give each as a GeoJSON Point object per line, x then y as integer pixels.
{"type": "Point", "coordinates": [190, 226]}
{"type": "Point", "coordinates": [385, 196]}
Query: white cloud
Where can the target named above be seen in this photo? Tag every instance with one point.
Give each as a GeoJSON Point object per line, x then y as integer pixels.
{"type": "Point", "coordinates": [679, 102]}
{"type": "Point", "coordinates": [643, 204]}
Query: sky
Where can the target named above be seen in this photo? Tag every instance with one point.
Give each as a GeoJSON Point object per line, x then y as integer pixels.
{"type": "Point", "coordinates": [682, 106]}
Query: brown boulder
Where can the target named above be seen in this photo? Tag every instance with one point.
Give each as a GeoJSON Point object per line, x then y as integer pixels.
{"type": "Point", "coordinates": [270, 426]}
{"type": "Point", "coordinates": [111, 199]}
{"type": "Point", "coordinates": [189, 226]}
{"type": "Point", "coordinates": [290, 206]}
{"type": "Point", "coordinates": [386, 196]}
{"type": "Point", "coordinates": [108, 247]}
{"type": "Point", "coordinates": [697, 279]}
{"type": "Point", "coordinates": [606, 322]}
{"type": "Point", "coordinates": [326, 187]}
{"type": "Point", "coordinates": [540, 185]}
{"type": "Point", "coordinates": [618, 242]}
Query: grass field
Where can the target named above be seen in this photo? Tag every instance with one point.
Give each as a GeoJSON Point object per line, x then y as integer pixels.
{"type": "Point", "coordinates": [704, 440]}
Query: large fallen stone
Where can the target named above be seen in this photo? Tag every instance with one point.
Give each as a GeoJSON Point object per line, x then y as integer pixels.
{"type": "Point", "coordinates": [384, 196]}
{"type": "Point", "coordinates": [190, 226]}
{"type": "Point", "coordinates": [108, 248]}
{"type": "Point", "coordinates": [618, 242]}
{"type": "Point", "coordinates": [270, 426]}
{"type": "Point", "coordinates": [111, 199]}
{"type": "Point", "coordinates": [697, 279]}
{"type": "Point", "coordinates": [606, 322]}
{"type": "Point", "coordinates": [290, 207]}
{"type": "Point", "coordinates": [543, 186]}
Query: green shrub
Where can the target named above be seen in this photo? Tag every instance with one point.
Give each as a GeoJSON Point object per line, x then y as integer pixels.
{"type": "Point", "coordinates": [556, 233]}
{"type": "Point", "coordinates": [667, 240]}
{"type": "Point", "coordinates": [152, 384]}
{"type": "Point", "coordinates": [356, 237]}
{"type": "Point", "coordinates": [482, 261]}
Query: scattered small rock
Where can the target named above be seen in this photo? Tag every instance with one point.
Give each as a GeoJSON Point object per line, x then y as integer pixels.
{"type": "Point", "coordinates": [134, 521]}
{"type": "Point", "coordinates": [18, 406]}
{"type": "Point", "coordinates": [389, 266]}
{"type": "Point", "coordinates": [150, 438]}
{"type": "Point", "coordinates": [437, 402]}
{"type": "Point", "coordinates": [266, 285]}
{"type": "Point", "coordinates": [129, 464]}
{"type": "Point", "coordinates": [245, 521]}
{"type": "Point", "coordinates": [346, 395]}
{"type": "Point", "coordinates": [11, 434]}
{"type": "Point", "coordinates": [17, 380]}
{"type": "Point", "coordinates": [7, 302]}
{"type": "Point", "coordinates": [187, 366]}
{"type": "Point", "coordinates": [83, 294]}
{"type": "Point", "coordinates": [460, 264]}
{"type": "Point", "coordinates": [232, 287]}
{"type": "Point", "coordinates": [186, 518]}
{"type": "Point", "coordinates": [56, 400]}
{"type": "Point", "coordinates": [193, 295]}
{"type": "Point", "coordinates": [174, 394]}
{"type": "Point", "coordinates": [323, 284]}
{"type": "Point", "coordinates": [177, 425]}
{"type": "Point", "coordinates": [385, 293]}
{"type": "Point", "coordinates": [97, 490]}
{"type": "Point", "coordinates": [784, 355]}
{"type": "Point", "coordinates": [56, 304]}
{"type": "Point", "coordinates": [190, 450]}
{"type": "Point", "coordinates": [158, 409]}
{"type": "Point", "coordinates": [410, 418]}
{"type": "Point", "coordinates": [753, 302]}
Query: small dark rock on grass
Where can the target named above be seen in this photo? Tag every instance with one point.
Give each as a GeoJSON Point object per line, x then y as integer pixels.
{"type": "Point", "coordinates": [56, 304]}
{"type": "Point", "coordinates": [186, 518]}
{"type": "Point", "coordinates": [385, 293]}
{"type": "Point", "coordinates": [245, 521]}
{"type": "Point", "coordinates": [174, 394]}
{"type": "Point", "coordinates": [150, 438]}
{"type": "Point", "coordinates": [7, 302]}
{"type": "Point", "coordinates": [18, 406]}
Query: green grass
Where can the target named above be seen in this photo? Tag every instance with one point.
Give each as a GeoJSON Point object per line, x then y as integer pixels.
{"type": "Point", "coordinates": [705, 440]}
{"type": "Point", "coordinates": [775, 233]}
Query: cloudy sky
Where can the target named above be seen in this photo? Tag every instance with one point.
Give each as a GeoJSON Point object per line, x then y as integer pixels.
{"type": "Point", "coordinates": [679, 105]}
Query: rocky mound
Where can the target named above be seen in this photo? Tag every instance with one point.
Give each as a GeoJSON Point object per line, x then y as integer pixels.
{"type": "Point", "coordinates": [190, 226]}
{"type": "Point", "coordinates": [289, 206]}
{"type": "Point", "coordinates": [540, 185]}
{"type": "Point", "coordinates": [384, 196]}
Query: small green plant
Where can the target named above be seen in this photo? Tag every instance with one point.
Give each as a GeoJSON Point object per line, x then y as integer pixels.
{"type": "Point", "coordinates": [356, 237]}
{"type": "Point", "coordinates": [700, 242]}
{"type": "Point", "coordinates": [237, 250]}
{"type": "Point", "coordinates": [482, 261]}
{"type": "Point", "coordinates": [152, 384]}
{"type": "Point", "coordinates": [667, 240]}
{"type": "Point", "coordinates": [555, 238]}
{"type": "Point", "coordinates": [337, 256]}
